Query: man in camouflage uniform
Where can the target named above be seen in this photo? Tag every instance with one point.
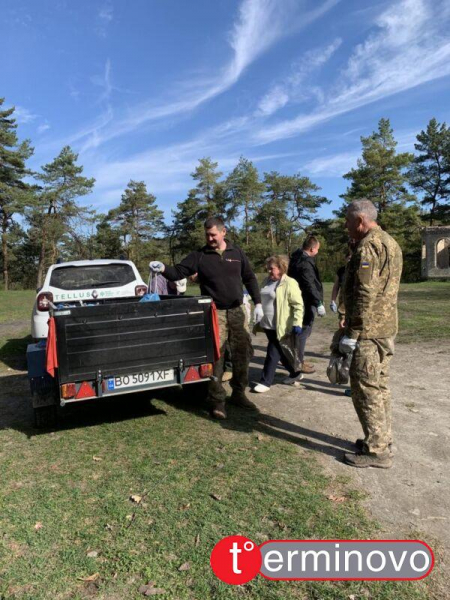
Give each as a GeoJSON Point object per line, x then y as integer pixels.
{"type": "Point", "coordinates": [222, 269]}
{"type": "Point", "coordinates": [370, 293]}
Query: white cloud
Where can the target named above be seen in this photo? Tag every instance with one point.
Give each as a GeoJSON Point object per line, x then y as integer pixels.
{"type": "Point", "coordinates": [292, 88]}
{"type": "Point", "coordinates": [104, 82]}
{"type": "Point", "coordinates": [260, 23]}
{"type": "Point", "coordinates": [409, 47]}
{"type": "Point", "coordinates": [104, 17]}
{"type": "Point", "coordinates": [275, 99]}
{"type": "Point", "coordinates": [43, 127]}
{"type": "Point", "coordinates": [23, 115]}
{"type": "Point", "coordinates": [332, 166]}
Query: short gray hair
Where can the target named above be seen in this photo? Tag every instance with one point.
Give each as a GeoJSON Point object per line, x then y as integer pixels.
{"type": "Point", "coordinates": [363, 207]}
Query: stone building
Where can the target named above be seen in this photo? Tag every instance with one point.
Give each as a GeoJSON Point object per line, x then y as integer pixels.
{"type": "Point", "coordinates": [436, 252]}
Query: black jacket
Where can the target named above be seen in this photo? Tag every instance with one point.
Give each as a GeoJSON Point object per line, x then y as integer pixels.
{"type": "Point", "coordinates": [303, 269]}
{"type": "Point", "coordinates": [219, 276]}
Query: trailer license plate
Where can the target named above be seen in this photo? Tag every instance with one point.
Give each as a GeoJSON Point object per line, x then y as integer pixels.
{"type": "Point", "coordinates": [138, 379]}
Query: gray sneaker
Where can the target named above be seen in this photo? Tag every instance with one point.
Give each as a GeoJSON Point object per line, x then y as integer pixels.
{"type": "Point", "coordinates": [295, 381]}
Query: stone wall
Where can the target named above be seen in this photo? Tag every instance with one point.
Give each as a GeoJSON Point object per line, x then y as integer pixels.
{"type": "Point", "coordinates": [436, 252]}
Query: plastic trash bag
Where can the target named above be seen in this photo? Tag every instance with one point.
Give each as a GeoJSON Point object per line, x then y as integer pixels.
{"type": "Point", "coordinates": [338, 370]}
{"type": "Point", "coordinates": [150, 298]}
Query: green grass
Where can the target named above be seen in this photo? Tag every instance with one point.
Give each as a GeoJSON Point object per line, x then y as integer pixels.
{"type": "Point", "coordinates": [424, 315]}
{"type": "Point", "coordinates": [16, 305]}
{"type": "Point", "coordinates": [174, 460]}
{"type": "Point", "coordinates": [424, 312]}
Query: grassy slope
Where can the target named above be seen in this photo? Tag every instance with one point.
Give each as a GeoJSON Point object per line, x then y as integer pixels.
{"type": "Point", "coordinates": [175, 459]}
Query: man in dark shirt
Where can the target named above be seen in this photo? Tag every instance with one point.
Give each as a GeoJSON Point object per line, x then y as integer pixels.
{"type": "Point", "coordinates": [222, 270]}
{"type": "Point", "coordinates": [302, 267]}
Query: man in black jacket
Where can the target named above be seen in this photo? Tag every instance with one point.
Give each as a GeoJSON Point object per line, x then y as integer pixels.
{"type": "Point", "coordinates": [222, 270]}
{"type": "Point", "coordinates": [302, 267]}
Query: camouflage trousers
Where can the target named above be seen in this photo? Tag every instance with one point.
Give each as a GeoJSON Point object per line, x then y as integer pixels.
{"type": "Point", "coordinates": [234, 332]}
{"type": "Point", "coordinates": [369, 380]}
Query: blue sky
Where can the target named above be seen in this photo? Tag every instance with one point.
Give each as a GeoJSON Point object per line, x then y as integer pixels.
{"type": "Point", "coordinates": [143, 89]}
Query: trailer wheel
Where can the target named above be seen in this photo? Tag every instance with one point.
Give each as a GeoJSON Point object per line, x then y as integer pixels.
{"type": "Point", "coordinates": [45, 417]}
{"type": "Point", "coordinates": [196, 391]}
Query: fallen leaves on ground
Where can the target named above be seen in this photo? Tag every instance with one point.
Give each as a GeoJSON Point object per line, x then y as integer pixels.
{"type": "Point", "coordinates": [136, 498]}
{"type": "Point", "coordinates": [97, 458]}
{"type": "Point", "coordinates": [38, 526]}
{"type": "Point", "coordinates": [337, 499]}
{"type": "Point", "coordinates": [216, 497]}
{"type": "Point", "coordinates": [90, 578]}
{"type": "Point", "coordinates": [150, 590]}
{"type": "Point", "coordinates": [185, 567]}
{"type": "Point", "coordinates": [92, 554]}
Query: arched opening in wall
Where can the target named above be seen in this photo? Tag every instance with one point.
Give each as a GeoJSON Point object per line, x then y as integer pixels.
{"type": "Point", "coordinates": [443, 254]}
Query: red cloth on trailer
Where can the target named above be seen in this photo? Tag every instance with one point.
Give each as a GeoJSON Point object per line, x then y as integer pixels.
{"type": "Point", "coordinates": [216, 331]}
{"type": "Point", "coordinates": [51, 357]}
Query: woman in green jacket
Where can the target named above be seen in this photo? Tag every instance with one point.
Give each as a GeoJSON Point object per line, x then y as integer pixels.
{"type": "Point", "coordinates": [282, 321]}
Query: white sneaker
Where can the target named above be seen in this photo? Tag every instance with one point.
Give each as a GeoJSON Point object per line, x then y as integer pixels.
{"type": "Point", "coordinates": [295, 381]}
{"type": "Point", "coordinates": [260, 388]}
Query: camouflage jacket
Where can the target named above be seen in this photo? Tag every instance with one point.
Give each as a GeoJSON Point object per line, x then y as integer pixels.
{"type": "Point", "coordinates": [371, 287]}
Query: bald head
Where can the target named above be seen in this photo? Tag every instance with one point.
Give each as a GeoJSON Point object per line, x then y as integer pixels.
{"type": "Point", "coordinates": [361, 217]}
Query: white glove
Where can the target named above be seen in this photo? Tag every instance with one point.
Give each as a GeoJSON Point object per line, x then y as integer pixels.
{"type": "Point", "coordinates": [347, 344]}
{"type": "Point", "coordinates": [321, 310]}
{"type": "Point", "coordinates": [333, 306]}
{"type": "Point", "coordinates": [258, 313]}
{"type": "Point", "coordinates": [156, 266]}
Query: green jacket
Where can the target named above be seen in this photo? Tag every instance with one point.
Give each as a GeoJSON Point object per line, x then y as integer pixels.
{"type": "Point", "coordinates": [371, 287]}
{"type": "Point", "coordinates": [289, 305]}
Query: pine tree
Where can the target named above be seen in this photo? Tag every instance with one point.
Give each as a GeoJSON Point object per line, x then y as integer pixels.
{"type": "Point", "coordinates": [106, 242]}
{"type": "Point", "coordinates": [208, 191]}
{"type": "Point", "coordinates": [15, 194]}
{"type": "Point", "coordinates": [207, 199]}
{"type": "Point", "coordinates": [137, 218]}
{"type": "Point", "coordinates": [244, 190]}
{"type": "Point", "coordinates": [59, 212]}
{"type": "Point", "coordinates": [380, 172]}
{"type": "Point", "coordinates": [429, 174]}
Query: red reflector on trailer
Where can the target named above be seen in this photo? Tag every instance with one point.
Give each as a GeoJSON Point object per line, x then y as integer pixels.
{"type": "Point", "coordinates": [68, 390]}
{"type": "Point", "coordinates": [85, 391]}
{"type": "Point", "coordinates": [206, 370]}
{"type": "Point", "coordinates": [191, 375]}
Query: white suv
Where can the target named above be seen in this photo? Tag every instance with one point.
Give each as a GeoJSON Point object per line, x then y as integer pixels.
{"type": "Point", "coordinates": [84, 282]}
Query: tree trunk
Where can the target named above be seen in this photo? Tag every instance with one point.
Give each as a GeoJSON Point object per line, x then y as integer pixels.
{"type": "Point", "coordinates": [247, 236]}
{"type": "Point", "coordinates": [272, 235]}
{"type": "Point", "coordinates": [5, 252]}
{"type": "Point", "coordinates": [41, 264]}
{"type": "Point", "coordinates": [433, 208]}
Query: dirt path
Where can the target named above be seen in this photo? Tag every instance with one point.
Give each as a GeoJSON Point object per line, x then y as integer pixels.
{"type": "Point", "coordinates": [412, 498]}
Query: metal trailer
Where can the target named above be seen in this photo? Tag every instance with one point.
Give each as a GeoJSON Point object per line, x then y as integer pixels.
{"type": "Point", "coordinates": [122, 347]}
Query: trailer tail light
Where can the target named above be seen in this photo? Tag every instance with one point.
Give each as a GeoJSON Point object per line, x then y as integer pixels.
{"type": "Point", "coordinates": [206, 370]}
{"type": "Point", "coordinates": [191, 375]}
{"type": "Point", "coordinates": [44, 301]}
{"type": "Point", "coordinates": [140, 290]}
{"type": "Point", "coordinates": [85, 391]}
{"type": "Point", "coordinates": [68, 390]}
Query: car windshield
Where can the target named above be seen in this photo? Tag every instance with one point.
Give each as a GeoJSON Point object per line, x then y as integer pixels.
{"type": "Point", "coordinates": [88, 277]}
